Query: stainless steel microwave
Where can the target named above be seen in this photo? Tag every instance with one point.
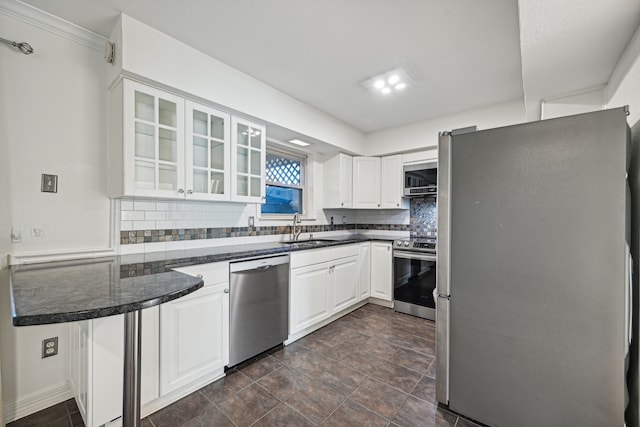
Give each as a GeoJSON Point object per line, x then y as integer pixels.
{"type": "Point", "coordinates": [421, 179]}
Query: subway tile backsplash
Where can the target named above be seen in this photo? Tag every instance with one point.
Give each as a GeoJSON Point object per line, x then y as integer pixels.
{"type": "Point", "coordinates": [157, 222]}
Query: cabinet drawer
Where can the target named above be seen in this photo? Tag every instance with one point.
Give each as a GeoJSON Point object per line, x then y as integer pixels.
{"type": "Point", "coordinates": [317, 256]}
{"type": "Point", "coordinates": [212, 274]}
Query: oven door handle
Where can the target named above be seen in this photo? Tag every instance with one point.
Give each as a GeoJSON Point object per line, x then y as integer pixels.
{"type": "Point", "coordinates": [414, 255]}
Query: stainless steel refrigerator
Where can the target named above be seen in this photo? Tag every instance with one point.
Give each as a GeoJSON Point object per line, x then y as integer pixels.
{"type": "Point", "coordinates": [534, 305]}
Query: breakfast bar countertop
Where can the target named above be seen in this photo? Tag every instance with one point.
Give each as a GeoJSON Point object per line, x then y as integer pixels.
{"type": "Point", "coordinates": [67, 291]}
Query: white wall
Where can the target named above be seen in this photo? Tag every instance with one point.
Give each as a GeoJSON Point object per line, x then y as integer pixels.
{"type": "Point", "coordinates": [52, 120]}
{"type": "Point", "coordinates": [624, 85]}
{"type": "Point", "coordinates": [576, 103]}
{"type": "Point", "coordinates": [420, 135]}
{"type": "Point", "coordinates": [144, 51]}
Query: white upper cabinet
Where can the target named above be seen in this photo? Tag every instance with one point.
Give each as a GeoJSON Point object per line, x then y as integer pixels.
{"type": "Point", "coordinates": [165, 146]}
{"type": "Point", "coordinates": [363, 182]}
{"type": "Point", "coordinates": [366, 182]}
{"type": "Point", "coordinates": [247, 161]}
{"type": "Point", "coordinates": [391, 188]}
{"type": "Point", "coordinates": [338, 181]}
{"type": "Point", "coordinates": [208, 154]}
{"type": "Point", "coordinates": [149, 141]}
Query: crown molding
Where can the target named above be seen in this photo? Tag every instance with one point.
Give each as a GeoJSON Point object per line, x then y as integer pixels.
{"type": "Point", "coordinates": [53, 24]}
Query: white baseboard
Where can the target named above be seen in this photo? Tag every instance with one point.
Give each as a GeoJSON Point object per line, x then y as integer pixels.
{"type": "Point", "coordinates": [37, 401]}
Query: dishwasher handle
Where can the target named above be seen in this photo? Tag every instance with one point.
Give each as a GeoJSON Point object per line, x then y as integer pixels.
{"type": "Point", "coordinates": [260, 264]}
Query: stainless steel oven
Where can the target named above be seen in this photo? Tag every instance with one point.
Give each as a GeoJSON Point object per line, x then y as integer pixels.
{"type": "Point", "coordinates": [414, 274]}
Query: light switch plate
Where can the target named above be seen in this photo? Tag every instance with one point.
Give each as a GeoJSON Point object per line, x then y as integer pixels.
{"type": "Point", "coordinates": [49, 183]}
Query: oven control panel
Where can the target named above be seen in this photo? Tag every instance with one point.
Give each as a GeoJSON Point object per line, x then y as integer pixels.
{"type": "Point", "coordinates": [419, 245]}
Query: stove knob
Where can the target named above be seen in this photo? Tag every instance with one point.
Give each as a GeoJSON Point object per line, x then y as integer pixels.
{"type": "Point", "coordinates": [406, 244]}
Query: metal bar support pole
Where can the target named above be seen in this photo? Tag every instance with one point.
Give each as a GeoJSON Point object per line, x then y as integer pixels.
{"type": "Point", "coordinates": [131, 380]}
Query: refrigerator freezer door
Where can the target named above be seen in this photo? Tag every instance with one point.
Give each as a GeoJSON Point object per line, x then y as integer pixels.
{"type": "Point", "coordinates": [537, 266]}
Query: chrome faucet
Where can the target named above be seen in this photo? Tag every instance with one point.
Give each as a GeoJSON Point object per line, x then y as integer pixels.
{"type": "Point", "coordinates": [296, 233]}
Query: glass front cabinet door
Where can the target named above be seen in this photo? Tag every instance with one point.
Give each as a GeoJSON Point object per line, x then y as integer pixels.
{"type": "Point", "coordinates": [247, 162]}
{"type": "Point", "coordinates": [154, 142]}
{"type": "Point", "coordinates": [208, 153]}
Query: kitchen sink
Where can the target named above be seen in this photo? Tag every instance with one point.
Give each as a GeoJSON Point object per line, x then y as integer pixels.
{"type": "Point", "coordinates": [308, 242]}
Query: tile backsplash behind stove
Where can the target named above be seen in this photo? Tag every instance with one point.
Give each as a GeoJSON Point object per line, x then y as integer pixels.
{"type": "Point", "coordinates": [423, 217]}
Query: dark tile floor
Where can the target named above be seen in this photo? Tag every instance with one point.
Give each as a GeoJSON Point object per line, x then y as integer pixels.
{"type": "Point", "coordinates": [373, 367]}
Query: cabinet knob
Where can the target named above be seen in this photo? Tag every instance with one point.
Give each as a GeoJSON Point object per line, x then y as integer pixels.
{"type": "Point", "coordinates": [341, 204]}
{"type": "Point", "coordinates": [398, 204]}
{"type": "Point", "coordinates": [226, 291]}
{"type": "Point", "coordinates": [180, 190]}
{"type": "Point", "coordinates": [189, 191]}
{"type": "Point", "coordinates": [378, 204]}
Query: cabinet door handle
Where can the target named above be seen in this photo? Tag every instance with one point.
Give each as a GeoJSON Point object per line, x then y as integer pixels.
{"type": "Point", "coordinates": [397, 204]}
{"type": "Point", "coordinates": [180, 190]}
{"type": "Point", "coordinates": [226, 291]}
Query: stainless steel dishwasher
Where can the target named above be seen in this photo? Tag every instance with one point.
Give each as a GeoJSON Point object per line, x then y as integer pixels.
{"type": "Point", "coordinates": [258, 306]}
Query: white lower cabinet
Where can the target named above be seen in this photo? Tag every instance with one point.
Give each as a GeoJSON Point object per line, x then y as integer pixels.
{"type": "Point", "coordinates": [97, 365]}
{"type": "Point", "coordinates": [381, 271]}
{"type": "Point", "coordinates": [323, 282]}
{"type": "Point", "coordinates": [185, 345]}
{"type": "Point", "coordinates": [194, 337]}
{"type": "Point", "coordinates": [343, 276]}
{"type": "Point", "coordinates": [309, 296]}
{"type": "Point", "coordinates": [364, 271]}
{"type": "Point", "coordinates": [194, 330]}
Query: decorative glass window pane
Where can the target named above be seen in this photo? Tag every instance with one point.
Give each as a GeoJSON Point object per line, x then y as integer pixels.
{"type": "Point", "coordinates": [282, 170]}
{"type": "Point", "coordinates": [145, 141]}
{"type": "Point", "coordinates": [167, 113]}
{"type": "Point", "coordinates": [199, 122]}
{"type": "Point", "coordinates": [145, 107]}
{"type": "Point", "coordinates": [217, 127]}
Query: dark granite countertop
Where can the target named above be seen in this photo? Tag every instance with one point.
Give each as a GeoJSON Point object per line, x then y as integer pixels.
{"type": "Point", "coordinates": [67, 291]}
{"type": "Point", "coordinates": [154, 262]}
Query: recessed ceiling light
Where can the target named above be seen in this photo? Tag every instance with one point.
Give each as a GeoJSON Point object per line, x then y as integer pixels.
{"type": "Point", "coordinates": [298, 142]}
{"type": "Point", "coordinates": [389, 82]}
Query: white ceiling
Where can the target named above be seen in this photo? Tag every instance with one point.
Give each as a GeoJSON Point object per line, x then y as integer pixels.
{"type": "Point", "coordinates": [462, 54]}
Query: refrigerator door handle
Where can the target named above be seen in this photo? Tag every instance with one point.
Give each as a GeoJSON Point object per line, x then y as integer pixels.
{"type": "Point", "coordinates": [442, 349]}
{"type": "Point", "coordinates": [629, 296]}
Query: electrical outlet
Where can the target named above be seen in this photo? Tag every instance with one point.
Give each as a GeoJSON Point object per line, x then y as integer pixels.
{"type": "Point", "coordinates": [251, 221]}
{"type": "Point", "coordinates": [37, 232]}
{"type": "Point", "coordinates": [49, 347]}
